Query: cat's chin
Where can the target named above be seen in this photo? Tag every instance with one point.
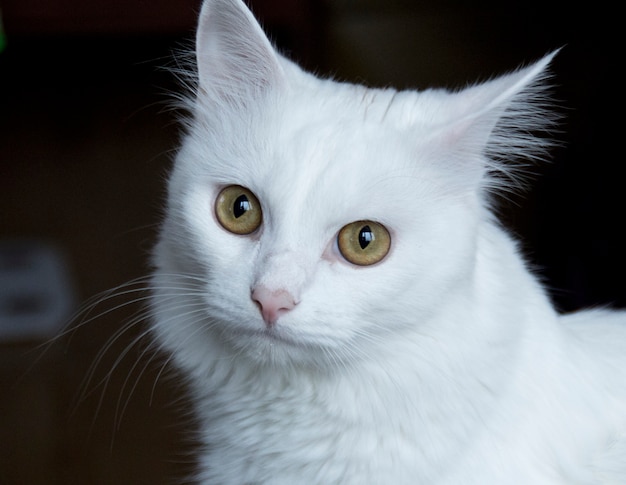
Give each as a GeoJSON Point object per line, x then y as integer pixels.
{"type": "Point", "coordinates": [270, 335]}
{"type": "Point", "coordinates": [275, 346]}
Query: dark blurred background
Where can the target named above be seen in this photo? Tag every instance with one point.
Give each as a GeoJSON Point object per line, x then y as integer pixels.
{"type": "Point", "coordinates": [86, 139]}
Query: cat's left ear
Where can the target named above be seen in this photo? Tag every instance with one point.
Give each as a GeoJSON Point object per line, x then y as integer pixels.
{"type": "Point", "coordinates": [499, 118]}
{"type": "Point", "coordinates": [236, 61]}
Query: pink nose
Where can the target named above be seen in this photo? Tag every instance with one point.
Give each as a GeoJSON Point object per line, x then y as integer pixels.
{"type": "Point", "coordinates": [272, 303]}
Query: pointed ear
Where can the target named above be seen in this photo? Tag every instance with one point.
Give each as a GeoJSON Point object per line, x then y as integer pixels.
{"type": "Point", "coordinates": [498, 121]}
{"type": "Point", "coordinates": [235, 59]}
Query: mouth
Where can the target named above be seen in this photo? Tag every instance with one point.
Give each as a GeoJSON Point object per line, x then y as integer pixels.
{"type": "Point", "coordinates": [270, 335]}
{"type": "Point", "coordinates": [280, 346]}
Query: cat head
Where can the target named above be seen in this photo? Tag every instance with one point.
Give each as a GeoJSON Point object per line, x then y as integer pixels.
{"type": "Point", "coordinates": [315, 219]}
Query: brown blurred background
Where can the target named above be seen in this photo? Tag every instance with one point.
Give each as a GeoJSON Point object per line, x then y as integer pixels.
{"type": "Point", "coordinates": [86, 140]}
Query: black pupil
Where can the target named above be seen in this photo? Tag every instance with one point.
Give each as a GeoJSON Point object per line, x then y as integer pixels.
{"type": "Point", "coordinates": [366, 236]}
{"type": "Point", "coordinates": [241, 206]}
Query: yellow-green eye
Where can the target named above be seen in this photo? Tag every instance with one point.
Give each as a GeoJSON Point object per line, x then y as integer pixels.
{"type": "Point", "coordinates": [238, 210]}
{"type": "Point", "coordinates": [364, 242]}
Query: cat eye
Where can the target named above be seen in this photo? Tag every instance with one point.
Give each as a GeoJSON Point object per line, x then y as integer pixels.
{"type": "Point", "coordinates": [364, 242]}
{"type": "Point", "coordinates": [238, 210]}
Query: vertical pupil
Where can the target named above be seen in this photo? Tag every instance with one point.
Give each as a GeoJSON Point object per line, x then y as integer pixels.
{"type": "Point", "coordinates": [365, 237]}
{"type": "Point", "coordinates": [241, 206]}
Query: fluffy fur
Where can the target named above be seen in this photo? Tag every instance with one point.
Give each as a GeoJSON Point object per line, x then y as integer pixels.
{"type": "Point", "coordinates": [443, 363]}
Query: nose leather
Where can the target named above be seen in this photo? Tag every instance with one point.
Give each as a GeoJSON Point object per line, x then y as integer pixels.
{"type": "Point", "coordinates": [272, 303]}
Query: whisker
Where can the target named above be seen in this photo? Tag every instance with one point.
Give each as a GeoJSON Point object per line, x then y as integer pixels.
{"type": "Point", "coordinates": [138, 291]}
{"type": "Point", "coordinates": [148, 348]}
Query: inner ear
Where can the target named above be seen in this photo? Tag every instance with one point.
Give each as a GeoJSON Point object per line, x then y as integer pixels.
{"type": "Point", "coordinates": [235, 58]}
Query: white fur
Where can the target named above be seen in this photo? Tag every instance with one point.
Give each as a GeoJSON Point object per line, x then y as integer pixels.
{"type": "Point", "coordinates": [443, 363]}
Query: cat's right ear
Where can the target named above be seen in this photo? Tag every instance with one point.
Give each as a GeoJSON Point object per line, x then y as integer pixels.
{"type": "Point", "coordinates": [236, 61]}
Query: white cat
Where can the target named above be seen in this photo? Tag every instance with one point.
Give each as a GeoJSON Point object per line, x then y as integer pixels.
{"type": "Point", "coordinates": [347, 309]}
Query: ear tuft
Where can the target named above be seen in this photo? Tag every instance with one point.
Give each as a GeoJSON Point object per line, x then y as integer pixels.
{"type": "Point", "coordinates": [521, 131]}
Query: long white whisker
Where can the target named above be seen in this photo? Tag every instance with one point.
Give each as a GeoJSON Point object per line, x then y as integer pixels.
{"type": "Point", "coordinates": [139, 338]}
{"type": "Point", "coordinates": [141, 291]}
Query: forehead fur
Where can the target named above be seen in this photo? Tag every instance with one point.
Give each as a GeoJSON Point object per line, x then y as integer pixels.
{"type": "Point", "coordinates": [300, 146]}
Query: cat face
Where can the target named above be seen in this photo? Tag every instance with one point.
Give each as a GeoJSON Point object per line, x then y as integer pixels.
{"type": "Point", "coordinates": [334, 213]}
{"type": "Point", "coordinates": [308, 221]}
